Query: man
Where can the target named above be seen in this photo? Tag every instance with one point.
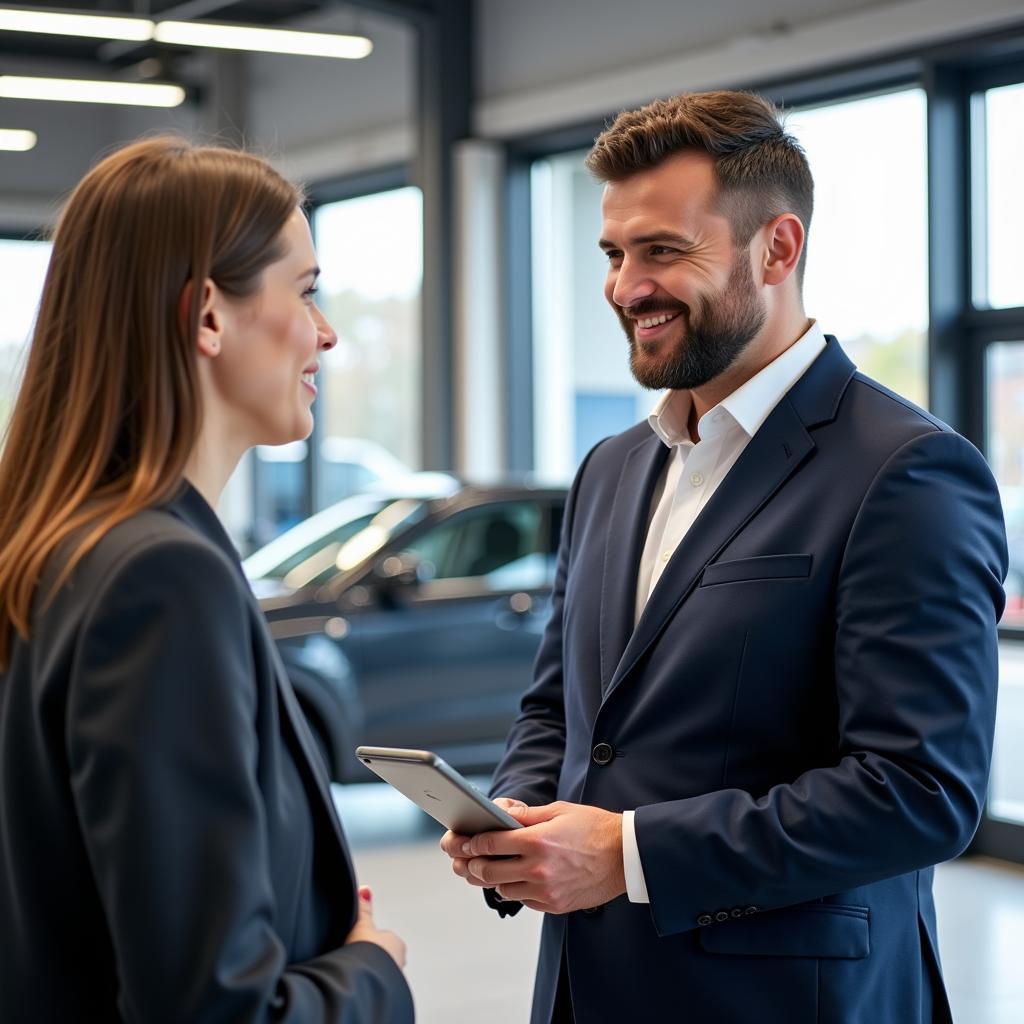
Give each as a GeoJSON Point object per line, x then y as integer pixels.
{"type": "Point", "coordinates": [763, 707]}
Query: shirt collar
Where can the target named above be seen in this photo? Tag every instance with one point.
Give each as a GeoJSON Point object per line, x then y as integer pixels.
{"type": "Point", "coordinates": [749, 405]}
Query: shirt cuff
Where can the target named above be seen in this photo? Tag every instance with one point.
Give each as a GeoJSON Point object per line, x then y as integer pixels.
{"type": "Point", "coordinates": [636, 886]}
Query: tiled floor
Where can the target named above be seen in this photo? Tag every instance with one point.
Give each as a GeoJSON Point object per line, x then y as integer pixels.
{"type": "Point", "coordinates": [466, 966]}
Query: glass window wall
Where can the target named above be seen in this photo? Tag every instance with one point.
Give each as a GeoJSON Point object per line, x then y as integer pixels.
{"type": "Point", "coordinates": [22, 271]}
{"type": "Point", "coordinates": [867, 263]}
{"type": "Point", "coordinates": [999, 200]}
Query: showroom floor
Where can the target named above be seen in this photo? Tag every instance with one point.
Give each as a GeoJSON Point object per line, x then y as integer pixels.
{"type": "Point", "coordinates": [466, 966]}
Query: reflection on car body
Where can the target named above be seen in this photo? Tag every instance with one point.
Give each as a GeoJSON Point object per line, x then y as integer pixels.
{"type": "Point", "coordinates": [410, 616]}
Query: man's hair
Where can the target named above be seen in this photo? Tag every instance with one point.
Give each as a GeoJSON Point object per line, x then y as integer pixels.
{"type": "Point", "coordinates": [761, 170]}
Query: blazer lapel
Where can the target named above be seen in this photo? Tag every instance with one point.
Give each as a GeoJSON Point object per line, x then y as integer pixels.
{"type": "Point", "coordinates": [627, 530]}
{"type": "Point", "coordinates": [294, 722]}
{"type": "Point", "coordinates": [190, 506]}
{"type": "Point", "coordinates": [774, 453]}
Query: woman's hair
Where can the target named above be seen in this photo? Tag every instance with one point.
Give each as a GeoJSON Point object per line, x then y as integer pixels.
{"type": "Point", "coordinates": [109, 408]}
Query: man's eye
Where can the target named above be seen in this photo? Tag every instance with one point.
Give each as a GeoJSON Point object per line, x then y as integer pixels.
{"type": "Point", "coordinates": [661, 250]}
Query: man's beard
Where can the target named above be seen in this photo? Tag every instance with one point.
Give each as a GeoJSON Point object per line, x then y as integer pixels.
{"type": "Point", "coordinates": [722, 326]}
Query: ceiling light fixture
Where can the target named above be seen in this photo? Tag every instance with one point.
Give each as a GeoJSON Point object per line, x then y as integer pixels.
{"type": "Point", "coordinates": [68, 24]}
{"type": "Point", "coordinates": [186, 33]}
{"type": "Point", "coordinates": [17, 140]}
{"type": "Point", "coordinates": [77, 90]}
{"type": "Point", "coordinates": [262, 40]}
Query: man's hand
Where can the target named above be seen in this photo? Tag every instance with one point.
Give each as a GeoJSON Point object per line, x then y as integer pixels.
{"type": "Point", "coordinates": [365, 930]}
{"type": "Point", "coordinates": [567, 857]}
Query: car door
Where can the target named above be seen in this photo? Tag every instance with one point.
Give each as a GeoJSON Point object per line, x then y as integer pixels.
{"type": "Point", "coordinates": [443, 661]}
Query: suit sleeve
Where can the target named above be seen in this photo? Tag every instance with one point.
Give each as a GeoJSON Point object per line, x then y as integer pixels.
{"type": "Point", "coordinates": [919, 595]}
{"type": "Point", "coordinates": [162, 749]}
{"type": "Point", "coordinates": [536, 742]}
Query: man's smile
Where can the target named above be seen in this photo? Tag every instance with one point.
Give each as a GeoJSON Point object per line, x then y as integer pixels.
{"type": "Point", "coordinates": [652, 325]}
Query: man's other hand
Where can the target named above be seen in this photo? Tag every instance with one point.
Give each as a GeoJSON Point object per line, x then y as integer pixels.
{"type": "Point", "coordinates": [566, 857]}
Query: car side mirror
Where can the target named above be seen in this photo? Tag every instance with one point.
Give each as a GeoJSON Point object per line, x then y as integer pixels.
{"type": "Point", "coordinates": [396, 571]}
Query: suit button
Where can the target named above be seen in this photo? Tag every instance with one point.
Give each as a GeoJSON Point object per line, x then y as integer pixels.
{"type": "Point", "coordinates": [747, 911]}
{"type": "Point", "coordinates": [704, 920]}
{"type": "Point", "coordinates": [722, 915]}
{"type": "Point", "coordinates": [603, 753]}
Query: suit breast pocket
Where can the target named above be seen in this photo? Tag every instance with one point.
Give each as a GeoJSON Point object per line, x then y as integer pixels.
{"type": "Point", "coordinates": [763, 567]}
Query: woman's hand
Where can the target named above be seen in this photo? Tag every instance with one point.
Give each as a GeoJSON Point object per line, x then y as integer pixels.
{"type": "Point", "coordinates": [366, 931]}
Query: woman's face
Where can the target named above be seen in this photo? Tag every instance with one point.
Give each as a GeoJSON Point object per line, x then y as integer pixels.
{"type": "Point", "coordinates": [265, 371]}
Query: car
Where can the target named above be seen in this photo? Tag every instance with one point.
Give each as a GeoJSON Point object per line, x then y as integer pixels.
{"type": "Point", "coordinates": [347, 465]}
{"type": "Point", "coordinates": [410, 615]}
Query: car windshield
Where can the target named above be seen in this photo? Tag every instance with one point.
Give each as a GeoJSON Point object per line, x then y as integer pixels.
{"type": "Point", "coordinates": [336, 539]}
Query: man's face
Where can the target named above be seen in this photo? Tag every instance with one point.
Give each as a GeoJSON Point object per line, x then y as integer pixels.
{"type": "Point", "coordinates": [686, 297]}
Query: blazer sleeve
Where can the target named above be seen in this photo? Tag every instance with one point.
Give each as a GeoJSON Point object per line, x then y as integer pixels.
{"type": "Point", "coordinates": [162, 751]}
{"type": "Point", "coordinates": [535, 746]}
{"type": "Point", "coordinates": [919, 595]}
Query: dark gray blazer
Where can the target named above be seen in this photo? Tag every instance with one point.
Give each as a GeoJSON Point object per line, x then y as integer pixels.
{"type": "Point", "coordinates": [169, 850]}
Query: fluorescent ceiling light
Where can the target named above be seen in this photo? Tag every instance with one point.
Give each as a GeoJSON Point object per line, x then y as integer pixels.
{"type": "Point", "coordinates": [17, 140]}
{"type": "Point", "coordinates": [77, 90]}
{"type": "Point", "coordinates": [186, 33]}
{"type": "Point", "coordinates": [262, 40]}
{"type": "Point", "coordinates": [61, 24]}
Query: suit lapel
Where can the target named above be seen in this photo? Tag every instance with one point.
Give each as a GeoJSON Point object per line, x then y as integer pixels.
{"type": "Point", "coordinates": [294, 722]}
{"type": "Point", "coordinates": [190, 507]}
{"type": "Point", "coordinates": [627, 530]}
{"type": "Point", "coordinates": [774, 453]}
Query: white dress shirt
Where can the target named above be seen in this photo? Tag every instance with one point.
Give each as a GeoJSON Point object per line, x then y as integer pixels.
{"type": "Point", "coordinates": [692, 474]}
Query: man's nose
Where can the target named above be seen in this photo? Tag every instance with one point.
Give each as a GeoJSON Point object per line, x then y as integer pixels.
{"type": "Point", "coordinates": [631, 285]}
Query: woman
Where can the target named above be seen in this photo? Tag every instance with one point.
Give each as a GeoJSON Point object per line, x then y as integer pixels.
{"type": "Point", "coordinates": [168, 845]}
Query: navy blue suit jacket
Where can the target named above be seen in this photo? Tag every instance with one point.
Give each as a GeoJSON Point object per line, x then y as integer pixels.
{"type": "Point", "coordinates": [802, 718]}
{"type": "Point", "coordinates": [169, 851]}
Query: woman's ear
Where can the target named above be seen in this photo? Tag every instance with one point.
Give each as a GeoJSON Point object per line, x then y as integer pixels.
{"type": "Point", "coordinates": [209, 334]}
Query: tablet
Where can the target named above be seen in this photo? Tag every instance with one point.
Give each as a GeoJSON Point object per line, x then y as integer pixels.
{"type": "Point", "coordinates": [439, 789]}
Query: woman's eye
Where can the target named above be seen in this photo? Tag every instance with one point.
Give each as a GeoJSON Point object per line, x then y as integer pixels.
{"type": "Point", "coordinates": [310, 292]}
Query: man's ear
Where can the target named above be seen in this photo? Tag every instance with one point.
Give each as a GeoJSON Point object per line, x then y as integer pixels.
{"type": "Point", "coordinates": [784, 242]}
{"type": "Point", "coordinates": [209, 334]}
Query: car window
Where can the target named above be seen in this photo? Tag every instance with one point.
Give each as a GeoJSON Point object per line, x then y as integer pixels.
{"type": "Point", "coordinates": [332, 540]}
{"type": "Point", "coordinates": [503, 544]}
{"type": "Point", "coordinates": [316, 561]}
